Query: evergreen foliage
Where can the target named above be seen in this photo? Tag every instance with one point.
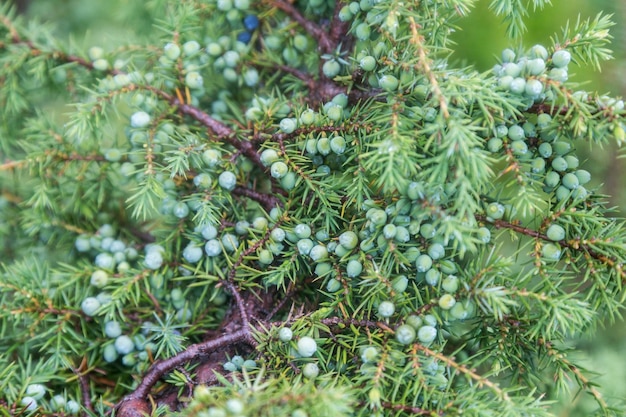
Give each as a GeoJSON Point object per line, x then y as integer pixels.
{"type": "Point", "coordinates": [302, 209]}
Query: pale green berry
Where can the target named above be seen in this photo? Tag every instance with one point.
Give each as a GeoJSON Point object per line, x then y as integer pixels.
{"type": "Point", "coordinates": [551, 251]}
{"type": "Point", "coordinates": [112, 329]}
{"type": "Point", "coordinates": [194, 80]}
{"type": "Point", "coordinates": [285, 334]}
{"type": "Point", "coordinates": [234, 406]}
{"type": "Point", "coordinates": [227, 180]}
{"type": "Point", "coordinates": [447, 301]}
{"type": "Point", "coordinates": [561, 58]}
{"type": "Point", "coordinates": [349, 240]}
{"type": "Point", "coordinates": [405, 334]}
{"type": "Point", "coordinates": [36, 391]}
{"type": "Point", "coordinates": [57, 402]}
{"type": "Point", "coordinates": [124, 345]}
{"type": "Point", "coordinates": [386, 309]}
{"type": "Point", "coordinates": [302, 231]}
{"type": "Point", "coordinates": [555, 232]}
{"type": "Point", "coordinates": [140, 119]}
{"type": "Point", "coordinates": [279, 169]}
{"type": "Point", "coordinates": [310, 371]}
{"type": "Point", "coordinates": [331, 68]}
{"type": "Point", "coordinates": [99, 278]}
{"type": "Point", "coordinates": [354, 268]}
{"type": "Point", "coordinates": [90, 306]}
{"type": "Point", "coordinates": [288, 125]}
{"type": "Point", "coordinates": [29, 403]}
{"type": "Point", "coordinates": [388, 82]}
{"type": "Point", "coordinates": [427, 334]}
{"type": "Point", "coordinates": [307, 346]}
{"type": "Point", "coordinates": [318, 253]}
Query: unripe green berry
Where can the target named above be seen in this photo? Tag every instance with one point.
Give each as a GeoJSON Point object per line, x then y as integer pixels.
{"type": "Point", "coordinates": [124, 345]}
{"type": "Point", "coordinates": [90, 306]}
{"type": "Point", "coordinates": [555, 232]}
{"type": "Point", "coordinates": [354, 268]}
{"type": "Point", "coordinates": [386, 309]}
{"type": "Point", "coordinates": [551, 252]}
{"type": "Point", "coordinates": [388, 82]}
{"type": "Point", "coordinates": [307, 346]}
{"type": "Point", "coordinates": [561, 58]}
{"type": "Point", "coordinates": [285, 334]}
{"type": "Point", "coordinates": [405, 334]}
{"type": "Point", "coordinates": [446, 302]}
{"type": "Point", "coordinates": [227, 180]}
{"type": "Point", "coordinates": [310, 371]}
{"type": "Point", "coordinates": [427, 334]}
{"type": "Point", "coordinates": [331, 68]}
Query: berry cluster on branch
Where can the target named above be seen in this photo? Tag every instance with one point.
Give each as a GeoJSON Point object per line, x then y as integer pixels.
{"type": "Point", "coordinates": [301, 208]}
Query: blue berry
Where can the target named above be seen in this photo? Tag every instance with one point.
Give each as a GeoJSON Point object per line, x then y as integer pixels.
{"type": "Point", "coordinates": [244, 37]}
{"type": "Point", "coordinates": [251, 22]}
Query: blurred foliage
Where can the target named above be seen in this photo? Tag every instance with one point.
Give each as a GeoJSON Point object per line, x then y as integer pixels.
{"type": "Point", "coordinates": [480, 39]}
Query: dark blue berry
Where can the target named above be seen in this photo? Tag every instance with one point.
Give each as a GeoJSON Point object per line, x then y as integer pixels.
{"type": "Point", "coordinates": [244, 37]}
{"type": "Point", "coordinates": [251, 22]}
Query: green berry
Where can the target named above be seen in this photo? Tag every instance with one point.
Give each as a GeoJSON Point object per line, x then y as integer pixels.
{"type": "Point", "coordinates": [516, 132]}
{"type": "Point", "coordinates": [552, 179]}
{"type": "Point", "coordinates": [362, 31]}
{"type": "Point", "coordinates": [367, 63]}
{"type": "Point", "coordinates": [388, 82]}
{"type": "Point", "coordinates": [427, 334]}
{"type": "Point", "coordinates": [112, 329]}
{"type": "Point", "coordinates": [99, 278]}
{"type": "Point", "coordinates": [495, 211]}
{"type": "Point", "coordinates": [304, 246]}
{"type": "Point", "coordinates": [518, 86]}
{"type": "Point", "coordinates": [570, 180]}
{"type": "Point", "coordinates": [333, 285]}
{"type": "Point", "coordinates": [559, 164]}
{"type": "Point", "coordinates": [436, 251]}
{"type": "Point", "coordinates": [307, 346]}
{"type": "Point", "coordinates": [446, 302]}
{"type": "Point", "coordinates": [331, 68]}
{"type": "Point", "coordinates": [561, 58]}
{"type": "Point", "coordinates": [90, 306]}
{"type": "Point", "coordinates": [318, 253]}
{"type": "Point", "coordinates": [194, 80]}
{"type": "Point", "coordinates": [29, 403]}
{"type": "Point", "coordinates": [386, 309]}
{"type": "Point", "coordinates": [349, 240]}
{"type": "Point", "coordinates": [279, 169]}
{"type": "Point", "coordinates": [288, 125]}
{"type": "Point", "coordinates": [354, 268]}
{"type": "Point", "coordinates": [302, 231]}
{"type": "Point", "coordinates": [405, 334]}
{"type": "Point", "coordinates": [583, 176]}
{"type": "Point", "coordinates": [494, 144]}
{"type": "Point", "coordinates": [58, 402]}
{"type": "Point", "coordinates": [180, 210]}
{"type": "Point", "coordinates": [227, 180]}
{"type": "Point", "coordinates": [508, 55]}
{"type": "Point", "coordinates": [124, 345]}
{"type": "Point", "coordinates": [450, 284]}
{"type": "Point", "coordinates": [140, 119]}
{"type": "Point", "coordinates": [555, 232]}
{"type": "Point", "coordinates": [424, 263]}
{"type": "Point", "coordinates": [36, 391]}
{"type": "Point", "coordinates": [432, 277]}
{"type": "Point", "coordinates": [551, 252]}
{"type": "Point", "coordinates": [310, 371]}
{"type": "Point", "coordinates": [285, 334]}
{"type": "Point", "coordinates": [234, 406]}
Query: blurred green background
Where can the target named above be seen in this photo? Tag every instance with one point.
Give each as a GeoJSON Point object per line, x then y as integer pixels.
{"type": "Point", "coordinates": [479, 41]}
